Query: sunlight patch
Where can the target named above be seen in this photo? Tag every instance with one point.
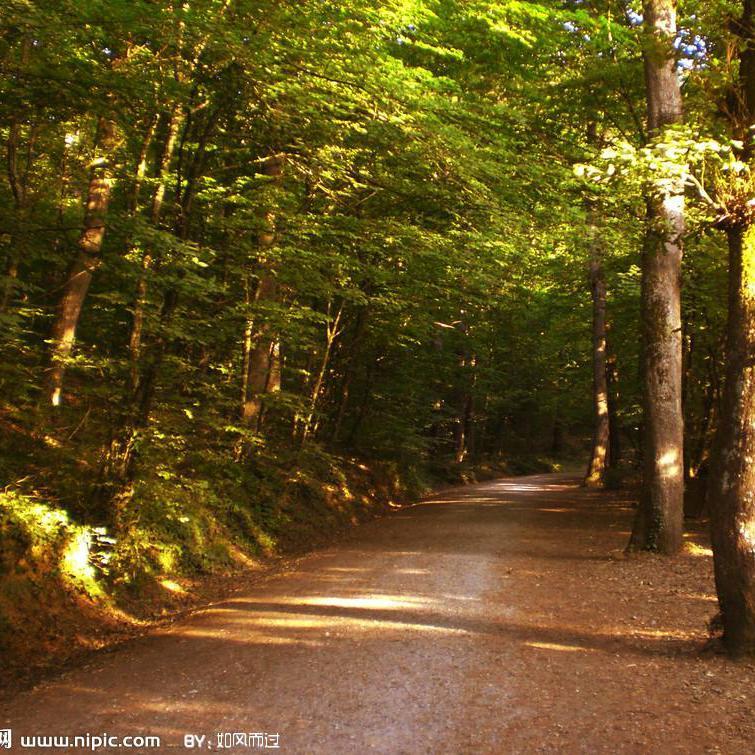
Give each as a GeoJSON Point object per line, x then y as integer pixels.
{"type": "Point", "coordinates": [558, 646]}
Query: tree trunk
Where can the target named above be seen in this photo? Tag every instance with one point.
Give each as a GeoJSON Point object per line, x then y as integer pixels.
{"type": "Point", "coordinates": [354, 352]}
{"type": "Point", "coordinates": [596, 469]}
{"type": "Point", "coordinates": [333, 330]}
{"type": "Point", "coordinates": [659, 522]}
{"type": "Point", "coordinates": [614, 424]}
{"type": "Point", "coordinates": [732, 485]}
{"type": "Point", "coordinates": [18, 181]}
{"type": "Point", "coordinates": [88, 259]}
{"type": "Point", "coordinates": [463, 429]}
{"type": "Point", "coordinates": [259, 361]}
{"type": "Point", "coordinates": [733, 482]}
{"type": "Point", "coordinates": [156, 209]}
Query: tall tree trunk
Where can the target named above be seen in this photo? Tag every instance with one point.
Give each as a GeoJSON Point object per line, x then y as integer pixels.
{"type": "Point", "coordinates": [88, 259]}
{"type": "Point", "coordinates": [464, 430]}
{"type": "Point", "coordinates": [156, 210]}
{"type": "Point", "coordinates": [141, 164]}
{"type": "Point", "coordinates": [259, 361]}
{"type": "Point", "coordinates": [464, 427]}
{"type": "Point", "coordinates": [731, 489]}
{"type": "Point", "coordinates": [348, 376]}
{"type": "Point", "coordinates": [333, 330]}
{"type": "Point", "coordinates": [602, 430]}
{"type": "Point", "coordinates": [659, 521]}
{"type": "Point", "coordinates": [614, 434]}
{"type": "Point", "coordinates": [732, 500]}
{"type": "Point", "coordinates": [19, 184]}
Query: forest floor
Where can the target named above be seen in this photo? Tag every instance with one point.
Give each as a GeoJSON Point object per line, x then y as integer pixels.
{"type": "Point", "coordinates": [501, 617]}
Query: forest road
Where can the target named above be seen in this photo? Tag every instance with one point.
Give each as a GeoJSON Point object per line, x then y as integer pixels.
{"type": "Point", "coordinates": [495, 618]}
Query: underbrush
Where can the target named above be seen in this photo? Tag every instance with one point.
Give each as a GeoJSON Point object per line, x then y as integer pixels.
{"type": "Point", "coordinates": [67, 582]}
{"type": "Point", "coordinates": [70, 580]}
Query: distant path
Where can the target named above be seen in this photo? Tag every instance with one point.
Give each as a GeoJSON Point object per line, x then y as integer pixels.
{"type": "Point", "coordinates": [495, 618]}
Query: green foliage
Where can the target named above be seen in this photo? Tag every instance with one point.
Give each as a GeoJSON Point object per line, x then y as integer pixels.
{"type": "Point", "coordinates": [419, 260]}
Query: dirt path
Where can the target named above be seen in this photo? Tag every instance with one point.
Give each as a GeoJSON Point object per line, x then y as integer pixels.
{"type": "Point", "coordinates": [497, 618]}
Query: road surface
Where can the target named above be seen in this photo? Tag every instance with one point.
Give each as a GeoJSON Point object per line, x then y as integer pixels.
{"type": "Point", "coordinates": [495, 618]}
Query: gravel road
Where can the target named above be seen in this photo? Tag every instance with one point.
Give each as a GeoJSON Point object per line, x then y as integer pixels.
{"type": "Point", "coordinates": [494, 618]}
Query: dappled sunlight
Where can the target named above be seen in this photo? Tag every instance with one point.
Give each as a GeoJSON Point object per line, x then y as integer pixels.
{"type": "Point", "coordinates": [532, 488]}
{"type": "Point", "coordinates": [559, 647]}
{"type": "Point", "coordinates": [695, 549]}
{"type": "Point", "coordinates": [702, 596]}
{"type": "Point", "coordinates": [371, 601]}
{"type": "Point", "coordinates": [669, 463]}
{"type": "Point", "coordinates": [413, 572]}
{"type": "Point", "coordinates": [463, 502]}
{"type": "Point", "coordinates": [273, 628]}
{"type": "Point", "coordinates": [464, 598]}
{"type": "Point", "coordinates": [247, 637]}
{"type": "Point", "coordinates": [665, 634]}
{"type": "Point", "coordinates": [173, 586]}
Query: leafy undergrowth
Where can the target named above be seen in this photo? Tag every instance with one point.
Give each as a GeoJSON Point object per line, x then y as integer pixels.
{"type": "Point", "coordinates": [199, 523]}
{"type": "Point", "coordinates": [68, 586]}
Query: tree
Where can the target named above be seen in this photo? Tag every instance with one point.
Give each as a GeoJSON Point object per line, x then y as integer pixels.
{"type": "Point", "coordinates": [733, 480]}
{"type": "Point", "coordinates": [87, 260]}
{"type": "Point", "coordinates": [659, 522]}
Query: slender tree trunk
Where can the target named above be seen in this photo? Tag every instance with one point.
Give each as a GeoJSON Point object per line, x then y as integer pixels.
{"type": "Point", "coordinates": [659, 521]}
{"type": "Point", "coordinates": [354, 351]}
{"type": "Point", "coordinates": [88, 259]}
{"type": "Point", "coordinates": [463, 439]}
{"type": "Point", "coordinates": [19, 237]}
{"type": "Point", "coordinates": [732, 486]}
{"type": "Point", "coordinates": [141, 164]}
{"type": "Point", "coordinates": [156, 210]}
{"type": "Point", "coordinates": [612, 382]}
{"type": "Point", "coordinates": [464, 430]}
{"type": "Point", "coordinates": [259, 361]}
{"type": "Point", "coordinates": [602, 430]}
{"type": "Point", "coordinates": [332, 332]}
{"type": "Point", "coordinates": [688, 361]}
{"type": "Point", "coordinates": [18, 181]}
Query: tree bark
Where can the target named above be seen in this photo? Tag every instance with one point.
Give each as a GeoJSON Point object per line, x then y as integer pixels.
{"type": "Point", "coordinates": [596, 469]}
{"type": "Point", "coordinates": [732, 485]}
{"type": "Point", "coordinates": [18, 180]}
{"type": "Point", "coordinates": [260, 359]}
{"type": "Point", "coordinates": [332, 332]}
{"type": "Point", "coordinates": [732, 495]}
{"type": "Point", "coordinates": [156, 209]}
{"type": "Point", "coordinates": [659, 522]}
{"type": "Point", "coordinates": [88, 259]}
{"type": "Point", "coordinates": [614, 423]}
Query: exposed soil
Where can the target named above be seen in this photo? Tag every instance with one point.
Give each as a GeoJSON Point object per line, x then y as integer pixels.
{"type": "Point", "coordinates": [496, 618]}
